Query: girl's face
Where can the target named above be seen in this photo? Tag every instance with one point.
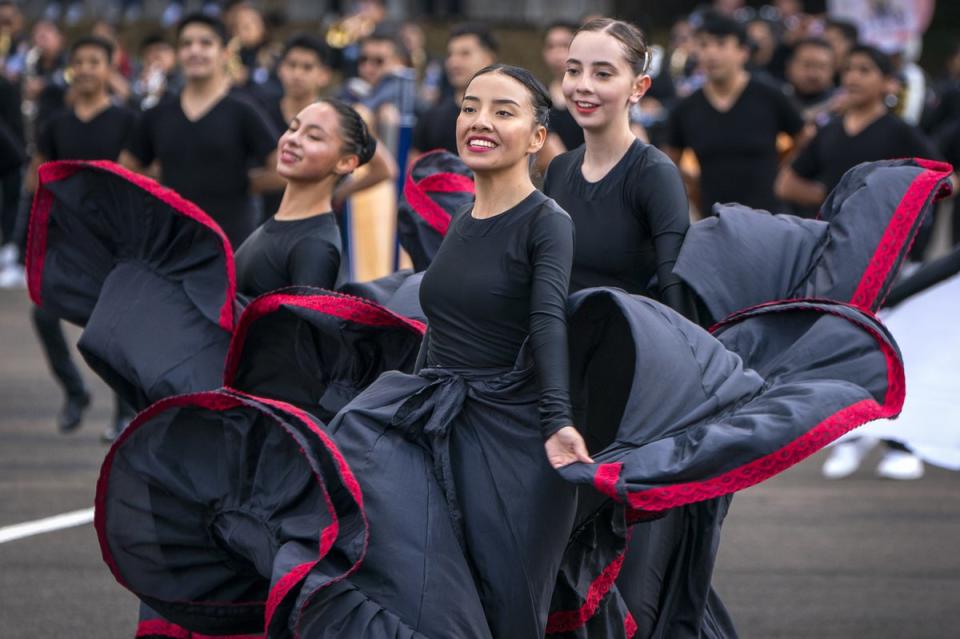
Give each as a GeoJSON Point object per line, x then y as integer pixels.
{"type": "Point", "coordinates": [311, 149]}
{"type": "Point", "coordinates": [497, 128]}
{"type": "Point", "coordinates": [599, 85]}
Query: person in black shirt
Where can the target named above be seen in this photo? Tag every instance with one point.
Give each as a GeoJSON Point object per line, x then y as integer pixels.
{"type": "Point", "coordinates": [625, 197]}
{"type": "Point", "coordinates": [565, 133]}
{"type": "Point", "coordinates": [304, 74]}
{"type": "Point", "coordinates": [732, 123]}
{"type": "Point", "coordinates": [810, 71]}
{"type": "Point", "coordinates": [300, 244]}
{"type": "Point", "coordinates": [157, 77]}
{"type": "Point", "coordinates": [11, 171]}
{"type": "Point", "coordinates": [866, 132]}
{"type": "Point", "coordinates": [498, 281]}
{"type": "Point", "coordinates": [91, 129]}
{"type": "Point", "coordinates": [470, 48]}
{"type": "Point", "coordinates": [205, 141]}
{"type": "Point", "coordinates": [631, 214]}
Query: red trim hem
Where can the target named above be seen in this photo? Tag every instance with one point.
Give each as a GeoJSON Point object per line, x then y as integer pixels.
{"type": "Point", "coordinates": [570, 620]}
{"type": "Point", "coordinates": [43, 201]}
{"type": "Point", "coordinates": [297, 574]}
{"type": "Point", "coordinates": [829, 429]}
{"type": "Point", "coordinates": [338, 305]}
{"type": "Point", "coordinates": [886, 258]}
{"type": "Point", "coordinates": [223, 400]}
{"type": "Point", "coordinates": [429, 211]}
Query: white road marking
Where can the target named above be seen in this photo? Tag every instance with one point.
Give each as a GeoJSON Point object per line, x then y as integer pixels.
{"type": "Point", "coordinates": [47, 524]}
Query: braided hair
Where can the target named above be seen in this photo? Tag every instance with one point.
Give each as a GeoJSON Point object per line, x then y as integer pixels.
{"type": "Point", "coordinates": [357, 138]}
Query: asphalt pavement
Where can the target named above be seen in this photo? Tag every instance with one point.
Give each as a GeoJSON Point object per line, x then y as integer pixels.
{"type": "Point", "coordinates": [801, 556]}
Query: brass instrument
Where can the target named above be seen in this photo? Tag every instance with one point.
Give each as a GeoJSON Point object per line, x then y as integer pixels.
{"type": "Point", "coordinates": [349, 30]}
{"type": "Point", "coordinates": [235, 68]}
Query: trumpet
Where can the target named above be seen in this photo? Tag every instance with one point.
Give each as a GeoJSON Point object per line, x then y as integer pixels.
{"type": "Point", "coordinates": [349, 30]}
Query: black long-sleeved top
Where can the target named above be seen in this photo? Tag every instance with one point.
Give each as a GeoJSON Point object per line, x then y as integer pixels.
{"type": "Point", "coordinates": [496, 281]}
{"type": "Point", "coordinates": [630, 224]}
{"type": "Point", "coordinates": [286, 253]}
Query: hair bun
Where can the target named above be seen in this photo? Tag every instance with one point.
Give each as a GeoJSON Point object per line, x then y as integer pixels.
{"type": "Point", "coordinates": [368, 145]}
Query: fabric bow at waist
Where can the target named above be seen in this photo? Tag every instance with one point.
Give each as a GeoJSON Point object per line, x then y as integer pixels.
{"type": "Point", "coordinates": [427, 416]}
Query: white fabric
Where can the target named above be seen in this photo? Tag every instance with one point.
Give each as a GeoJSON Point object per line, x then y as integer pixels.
{"type": "Point", "coordinates": [927, 328]}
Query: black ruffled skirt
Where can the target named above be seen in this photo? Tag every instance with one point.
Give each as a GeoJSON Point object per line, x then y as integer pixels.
{"type": "Point", "coordinates": [425, 507]}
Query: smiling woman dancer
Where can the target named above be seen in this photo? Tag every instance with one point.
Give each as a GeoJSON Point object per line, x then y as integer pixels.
{"type": "Point", "coordinates": [629, 208]}
{"type": "Point", "coordinates": [300, 244]}
{"type": "Point", "coordinates": [490, 421]}
{"type": "Point", "coordinates": [626, 198]}
{"type": "Point", "coordinates": [444, 503]}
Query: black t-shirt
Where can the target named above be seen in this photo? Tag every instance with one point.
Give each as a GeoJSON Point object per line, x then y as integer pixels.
{"type": "Point", "coordinates": [298, 252]}
{"type": "Point", "coordinates": [437, 128]}
{"type": "Point", "coordinates": [496, 281]}
{"type": "Point", "coordinates": [949, 144]}
{"type": "Point", "coordinates": [563, 124]}
{"type": "Point", "coordinates": [630, 224]}
{"type": "Point", "coordinates": [206, 161]}
{"type": "Point", "coordinates": [736, 149]}
{"type": "Point", "coordinates": [13, 152]}
{"type": "Point", "coordinates": [832, 152]}
{"type": "Point", "coordinates": [66, 137]}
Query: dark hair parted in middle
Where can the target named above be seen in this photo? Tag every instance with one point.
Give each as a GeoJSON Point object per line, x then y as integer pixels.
{"type": "Point", "coordinates": [356, 136]}
{"type": "Point", "coordinates": [631, 39]}
{"type": "Point", "coordinates": [539, 97]}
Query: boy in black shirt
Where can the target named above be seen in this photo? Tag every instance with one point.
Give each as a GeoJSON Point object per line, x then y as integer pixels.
{"type": "Point", "coordinates": [810, 72]}
{"type": "Point", "coordinates": [205, 140]}
{"type": "Point", "coordinates": [91, 129]}
{"type": "Point", "coordinates": [732, 123]}
{"type": "Point", "coordinates": [304, 75]}
{"type": "Point", "coordinates": [469, 48]}
{"type": "Point", "coordinates": [866, 132]}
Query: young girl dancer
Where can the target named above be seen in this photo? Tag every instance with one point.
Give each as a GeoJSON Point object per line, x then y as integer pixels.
{"type": "Point", "coordinates": [300, 244]}
{"type": "Point", "coordinates": [626, 198]}
{"type": "Point", "coordinates": [630, 211]}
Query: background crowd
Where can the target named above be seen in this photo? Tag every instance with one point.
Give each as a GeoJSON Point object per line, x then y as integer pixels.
{"type": "Point", "coordinates": [764, 105]}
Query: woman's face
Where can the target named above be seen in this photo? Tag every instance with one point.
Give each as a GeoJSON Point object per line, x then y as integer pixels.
{"type": "Point", "coordinates": [496, 128]}
{"type": "Point", "coordinates": [311, 149]}
{"type": "Point", "coordinates": [599, 86]}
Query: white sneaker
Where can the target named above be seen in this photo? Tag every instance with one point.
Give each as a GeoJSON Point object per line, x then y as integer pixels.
{"type": "Point", "coordinates": [13, 277]}
{"type": "Point", "coordinates": [898, 464]}
{"type": "Point", "coordinates": [846, 457]}
{"type": "Point", "coordinates": [8, 255]}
